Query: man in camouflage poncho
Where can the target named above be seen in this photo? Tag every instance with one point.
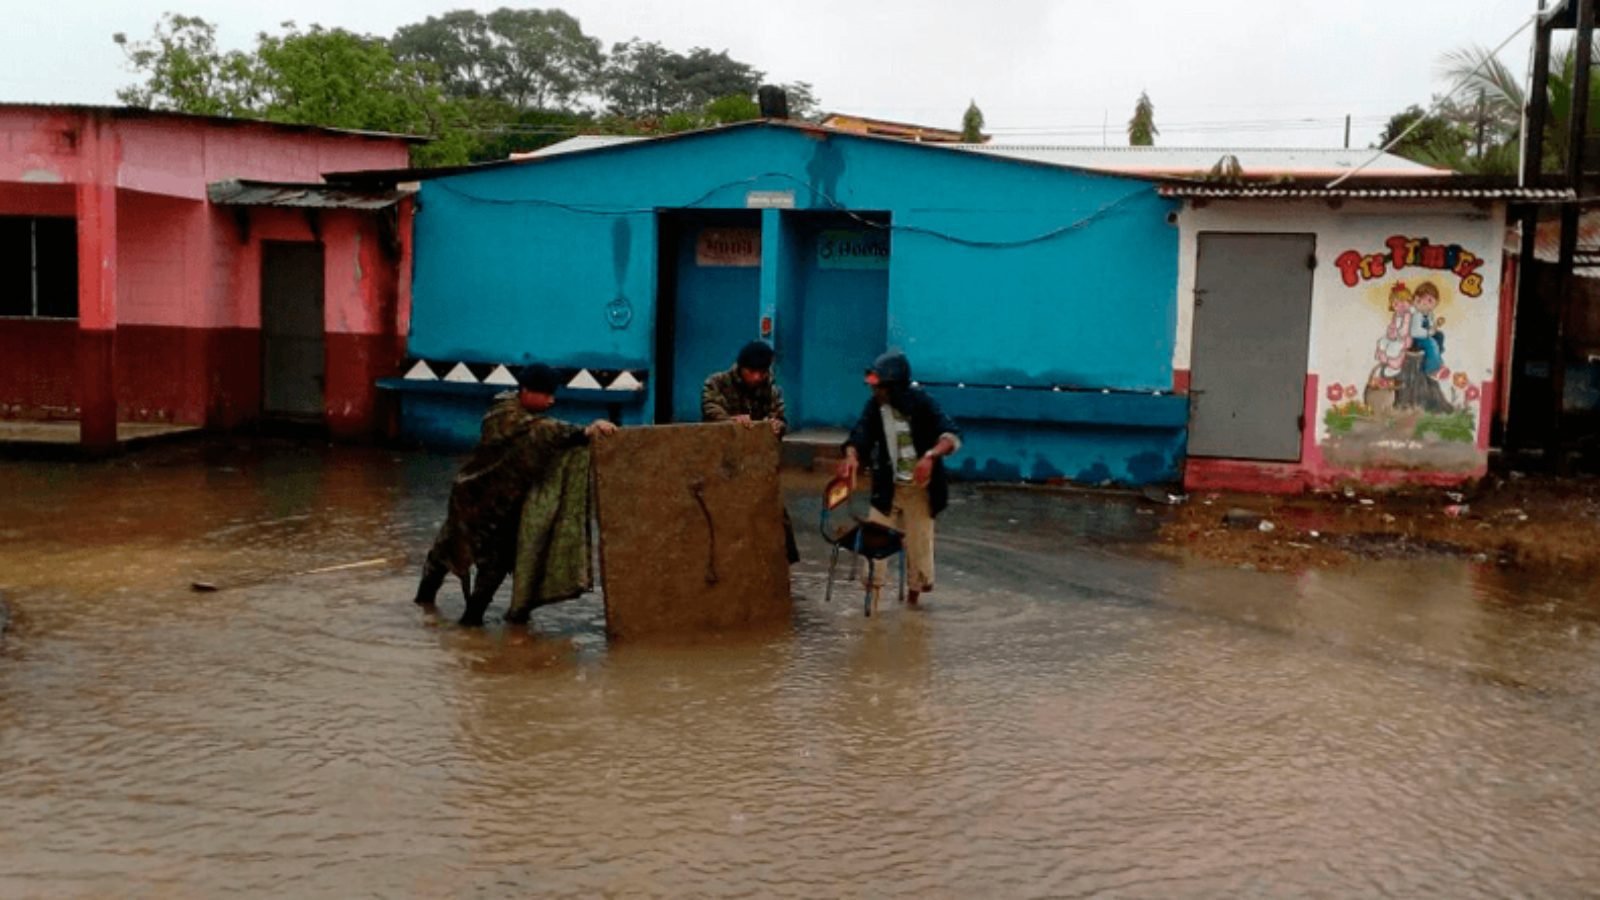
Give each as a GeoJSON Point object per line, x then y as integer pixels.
{"type": "Point", "coordinates": [746, 394]}
{"type": "Point", "coordinates": [516, 451]}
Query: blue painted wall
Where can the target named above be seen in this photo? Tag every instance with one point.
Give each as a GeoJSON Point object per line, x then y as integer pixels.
{"type": "Point", "coordinates": [1001, 273]}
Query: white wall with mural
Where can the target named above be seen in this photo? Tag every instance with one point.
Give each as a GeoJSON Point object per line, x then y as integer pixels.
{"type": "Point", "coordinates": [1404, 325]}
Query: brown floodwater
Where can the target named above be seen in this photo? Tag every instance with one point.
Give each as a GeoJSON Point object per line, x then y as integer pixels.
{"type": "Point", "coordinates": [1066, 717]}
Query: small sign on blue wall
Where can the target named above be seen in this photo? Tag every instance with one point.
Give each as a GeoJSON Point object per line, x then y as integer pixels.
{"type": "Point", "coordinates": [841, 249]}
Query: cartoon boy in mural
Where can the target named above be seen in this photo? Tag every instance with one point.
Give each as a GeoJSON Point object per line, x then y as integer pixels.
{"type": "Point", "coordinates": [1425, 333]}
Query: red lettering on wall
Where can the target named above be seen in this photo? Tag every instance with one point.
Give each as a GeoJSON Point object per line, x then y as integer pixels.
{"type": "Point", "coordinates": [1354, 267]}
{"type": "Point", "coordinates": [1398, 246]}
{"type": "Point", "coordinates": [1349, 262]}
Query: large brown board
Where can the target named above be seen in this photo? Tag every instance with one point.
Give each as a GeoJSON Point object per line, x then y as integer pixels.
{"type": "Point", "coordinates": [691, 529]}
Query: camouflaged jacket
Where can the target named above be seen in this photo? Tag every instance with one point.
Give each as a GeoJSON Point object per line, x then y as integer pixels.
{"type": "Point", "coordinates": [725, 395]}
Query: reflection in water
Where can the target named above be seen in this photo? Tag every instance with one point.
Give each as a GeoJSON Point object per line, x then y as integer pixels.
{"type": "Point", "coordinates": [1064, 718]}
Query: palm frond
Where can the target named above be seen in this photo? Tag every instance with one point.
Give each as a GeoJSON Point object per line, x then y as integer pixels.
{"type": "Point", "coordinates": [1478, 71]}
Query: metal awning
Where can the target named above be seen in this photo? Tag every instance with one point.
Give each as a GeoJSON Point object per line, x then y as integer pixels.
{"type": "Point", "coordinates": [1307, 192]}
{"type": "Point", "coordinates": [303, 196]}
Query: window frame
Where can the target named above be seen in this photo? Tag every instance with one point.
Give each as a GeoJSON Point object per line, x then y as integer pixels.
{"type": "Point", "coordinates": [34, 297]}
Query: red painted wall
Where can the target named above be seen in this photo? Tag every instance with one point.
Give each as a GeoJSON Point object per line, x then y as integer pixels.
{"type": "Point", "coordinates": [177, 327]}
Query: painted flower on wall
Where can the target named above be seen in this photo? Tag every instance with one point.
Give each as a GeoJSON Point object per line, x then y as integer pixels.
{"type": "Point", "coordinates": [1350, 390]}
{"type": "Point", "coordinates": [1461, 380]}
{"type": "Point", "coordinates": [1473, 393]}
{"type": "Point", "coordinates": [1335, 393]}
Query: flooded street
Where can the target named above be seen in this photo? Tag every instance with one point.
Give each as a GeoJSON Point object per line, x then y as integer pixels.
{"type": "Point", "coordinates": [1067, 716]}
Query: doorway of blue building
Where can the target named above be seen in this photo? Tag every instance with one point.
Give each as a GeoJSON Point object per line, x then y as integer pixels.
{"type": "Point", "coordinates": [708, 302]}
{"type": "Point", "coordinates": [840, 319]}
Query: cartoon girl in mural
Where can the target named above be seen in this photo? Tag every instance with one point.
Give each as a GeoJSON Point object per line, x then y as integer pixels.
{"type": "Point", "coordinates": [1425, 333]}
{"type": "Point", "coordinates": [1396, 340]}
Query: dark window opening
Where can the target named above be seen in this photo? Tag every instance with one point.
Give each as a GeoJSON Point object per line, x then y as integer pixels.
{"type": "Point", "coordinates": [38, 267]}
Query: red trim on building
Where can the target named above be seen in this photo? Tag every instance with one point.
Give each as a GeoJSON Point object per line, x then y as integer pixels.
{"type": "Point", "coordinates": [1180, 381]}
{"type": "Point", "coordinates": [354, 364]}
{"type": "Point", "coordinates": [1503, 351]}
{"type": "Point", "coordinates": [38, 368]}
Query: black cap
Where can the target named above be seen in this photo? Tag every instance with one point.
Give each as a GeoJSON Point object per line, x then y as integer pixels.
{"type": "Point", "coordinates": [538, 378]}
{"type": "Point", "coordinates": [756, 356]}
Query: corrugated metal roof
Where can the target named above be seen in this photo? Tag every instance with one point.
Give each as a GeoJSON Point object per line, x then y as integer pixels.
{"type": "Point", "coordinates": [305, 196]}
{"type": "Point", "coordinates": [1310, 192]}
{"type": "Point", "coordinates": [1256, 162]}
{"type": "Point", "coordinates": [139, 112]}
{"type": "Point", "coordinates": [579, 144]}
{"type": "Point", "coordinates": [1547, 243]}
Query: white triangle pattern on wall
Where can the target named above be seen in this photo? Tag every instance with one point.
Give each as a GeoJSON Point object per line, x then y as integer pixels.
{"type": "Point", "coordinates": [584, 381]}
{"type": "Point", "coordinates": [503, 375]}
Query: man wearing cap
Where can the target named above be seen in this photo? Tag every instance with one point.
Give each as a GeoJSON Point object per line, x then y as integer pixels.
{"type": "Point", "coordinates": [904, 436]}
{"type": "Point", "coordinates": [515, 452]}
{"type": "Point", "coordinates": [745, 393]}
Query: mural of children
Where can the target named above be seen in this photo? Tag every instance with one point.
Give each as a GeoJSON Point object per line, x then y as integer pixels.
{"type": "Point", "coordinates": [1396, 340]}
{"type": "Point", "coordinates": [1425, 333]}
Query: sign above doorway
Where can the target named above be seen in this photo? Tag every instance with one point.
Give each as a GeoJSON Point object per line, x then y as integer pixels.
{"type": "Point", "coordinates": [769, 200]}
{"type": "Point", "coordinates": [728, 247]}
{"type": "Point", "coordinates": [844, 249]}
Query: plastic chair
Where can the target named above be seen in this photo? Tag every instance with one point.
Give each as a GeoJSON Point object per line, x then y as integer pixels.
{"type": "Point", "coordinates": [868, 540]}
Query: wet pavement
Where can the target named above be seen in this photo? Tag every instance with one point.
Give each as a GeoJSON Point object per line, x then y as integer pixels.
{"type": "Point", "coordinates": [1068, 716]}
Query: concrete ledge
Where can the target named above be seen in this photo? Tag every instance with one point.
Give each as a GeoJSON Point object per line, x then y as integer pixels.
{"type": "Point", "coordinates": [1113, 409]}
{"type": "Point", "coordinates": [64, 437]}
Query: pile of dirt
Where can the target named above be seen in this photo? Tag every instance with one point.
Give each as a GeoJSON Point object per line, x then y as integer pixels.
{"type": "Point", "coordinates": [1516, 520]}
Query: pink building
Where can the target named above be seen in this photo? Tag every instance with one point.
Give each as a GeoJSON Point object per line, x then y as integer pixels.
{"type": "Point", "coordinates": [191, 270]}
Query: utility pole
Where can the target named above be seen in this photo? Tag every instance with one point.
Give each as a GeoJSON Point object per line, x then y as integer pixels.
{"type": "Point", "coordinates": [1577, 135]}
{"type": "Point", "coordinates": [1347, 131]}
{"type": "Point", "coordinates": [1520, 422]}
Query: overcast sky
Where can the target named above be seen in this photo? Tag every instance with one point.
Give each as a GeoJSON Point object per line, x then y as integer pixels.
{"type": "Point", "coordinates": [1220, 72]}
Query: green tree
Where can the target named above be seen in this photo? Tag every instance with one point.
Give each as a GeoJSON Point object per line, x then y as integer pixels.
{"type": "Point", "coordinates": [544, 59]}
{"type": "Point", "coordinates": [455, 48]}
{"type": "Point", "coordinates": [803, 103]}
{"type": "Point", "coordinates": [730, 109]}
{"type": "Point", "coordinates": [645, 79]}
{"type": "Point", "coordinates": [1488, 117]}
{"type": "Point", "coordinates": [528, 58]}
{"type": "Point", "coordinates": [1142, 130]}
{"type": "Point", "coordinates": [972, 124]}
{"type": "Point", "coordinates": [1461, 140]}
{"type": "Point", "coordinates": [182, 70]}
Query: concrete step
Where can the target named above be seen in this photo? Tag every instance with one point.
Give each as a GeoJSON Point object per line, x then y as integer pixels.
{"type": "Point", "coordinates": [813, 448]}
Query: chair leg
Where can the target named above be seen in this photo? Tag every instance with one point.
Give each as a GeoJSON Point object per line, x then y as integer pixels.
{"type": "Point", "coordinates": [833, 564]}
{"type": "Point", "coordinates": [872, 573]}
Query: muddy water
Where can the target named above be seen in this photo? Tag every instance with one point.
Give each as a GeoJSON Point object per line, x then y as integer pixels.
{"type": "Point", "coordinates": [1065, 718]}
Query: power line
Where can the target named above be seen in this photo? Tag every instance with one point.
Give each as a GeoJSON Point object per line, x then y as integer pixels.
{"type": "Point", "coordinates": [1438, 102]}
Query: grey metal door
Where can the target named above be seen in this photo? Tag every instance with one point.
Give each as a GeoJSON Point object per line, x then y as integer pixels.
{"type": "Point", "coordinates": [1252, 330]}
{"type": "Point", "coordinates": [292, 361]}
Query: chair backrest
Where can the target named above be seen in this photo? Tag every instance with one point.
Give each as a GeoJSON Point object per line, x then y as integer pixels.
{"type": "Point", "coordinates": [836, 494]}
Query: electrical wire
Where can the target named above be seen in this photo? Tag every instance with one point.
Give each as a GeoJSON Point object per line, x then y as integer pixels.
{"type": "Point", "coordinates": [833, 204]}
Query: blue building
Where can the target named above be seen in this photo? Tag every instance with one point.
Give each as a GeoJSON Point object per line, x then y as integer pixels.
{"type": "Point", "coordinates": [1036, 301]}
